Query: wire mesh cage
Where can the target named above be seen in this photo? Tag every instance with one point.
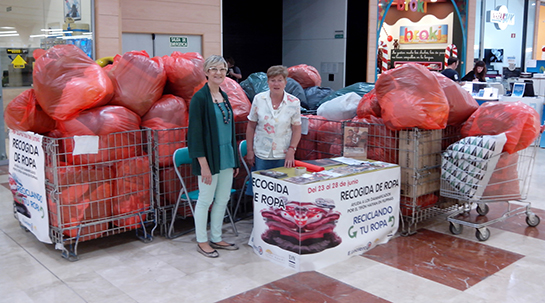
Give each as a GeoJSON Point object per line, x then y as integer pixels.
{"type": "Point", "coordinates": [95, 195]}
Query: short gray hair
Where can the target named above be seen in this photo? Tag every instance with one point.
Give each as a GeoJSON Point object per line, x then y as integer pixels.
{"type": "Point", "coordinates": [212, 61]}
{"type": "Point", "coordinates": [277, 70]}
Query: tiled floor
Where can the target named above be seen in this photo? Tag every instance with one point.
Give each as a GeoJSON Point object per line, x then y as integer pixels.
{"type": "Point", "coordinates": [431, 266]}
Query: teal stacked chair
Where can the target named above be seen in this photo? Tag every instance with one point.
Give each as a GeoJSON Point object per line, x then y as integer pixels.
{"type": "Point", "coordinates": [242, 152]}
{"type": "Point", "coordinates": [181, 157]}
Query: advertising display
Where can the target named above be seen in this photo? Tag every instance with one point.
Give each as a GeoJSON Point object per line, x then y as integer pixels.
{"type": "Point", "coordinates": [27, 182]}
{"type": "Point", "coordinates": [310, 226]}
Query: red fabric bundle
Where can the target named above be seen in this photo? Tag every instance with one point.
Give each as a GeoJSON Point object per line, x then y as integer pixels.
{"type": "Point", "coordinates": [138, 81]}
{"type": "Point", "coordinates": [23, 113]}
{"type": "Point", "coordinates": [519, 122]}
{"type": "Point", "coordinates": [72, 174]}
{"type": "Point", "coordinates": [169, 116]}
{"type": "Point", "coordinates": [307, 149]}
{"type": "Point", "coordinates": [102, 122]}
{"type": "Point", "coordinates": [410, 96]}
{"type": "Point", "coordinates": [461, 103]}
{"type": "Point", "coordinates": [132, 191]}
{"type": "Point", "coordinates": [369, 105]}
{"type": "Point", "coordinates": [382, 143]}
{"type": "Point", "coordinates": [306, 75]}
{"type": "Point", "coordinates": [238, 99]}
{"type": "Point", "coordinates": [185, 74]}
{"type": "Point", "coordinates": [308, 166]}
{"type": "Point", "coordinates": [67, 81]}
{"type": "Point", "coordinates": [330, 139]}
{"type": "Point", "coordinates": [504, 182]}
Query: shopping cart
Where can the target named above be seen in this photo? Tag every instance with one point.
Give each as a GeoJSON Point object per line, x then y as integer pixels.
{"type": "Point", "coordinates": [509, 183]}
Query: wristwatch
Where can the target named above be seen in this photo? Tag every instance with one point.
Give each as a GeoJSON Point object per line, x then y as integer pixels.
{"type": "Point", "coordinates": [294, 149]}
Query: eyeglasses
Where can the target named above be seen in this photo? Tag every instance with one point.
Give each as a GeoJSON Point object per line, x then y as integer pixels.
{"type": "Point", "coordinates": [215, 70]}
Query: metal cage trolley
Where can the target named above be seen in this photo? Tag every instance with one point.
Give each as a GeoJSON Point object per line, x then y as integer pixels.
{"type": "Point", "coordinates": [99, 194]}
{"type": "Point", "coordinates": [508, 183]}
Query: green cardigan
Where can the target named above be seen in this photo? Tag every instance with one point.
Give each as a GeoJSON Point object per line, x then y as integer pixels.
{"type": "Point", "coordinates": [202, 134]}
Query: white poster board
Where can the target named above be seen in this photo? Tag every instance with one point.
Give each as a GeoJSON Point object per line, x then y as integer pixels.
{"type": "Point", "coordinates": [311, 226]}
{"type": "Point", "coordinates": [27, 182]}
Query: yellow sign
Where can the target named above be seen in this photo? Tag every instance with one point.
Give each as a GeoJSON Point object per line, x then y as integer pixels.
{"type": "Point", "coordinates": [18, 62]}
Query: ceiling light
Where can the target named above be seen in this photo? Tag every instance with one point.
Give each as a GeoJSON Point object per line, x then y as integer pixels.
{"type": "Point", "coordinates": [9, 35]}
{"type": "Point", "coordinates": [8, 32]}
{"type": "Point", "coordinates": [7, 27]}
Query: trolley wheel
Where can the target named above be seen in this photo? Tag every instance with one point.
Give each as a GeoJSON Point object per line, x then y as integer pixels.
{"type": "Point", "coordinates": [145, 239]}
{"type": "Point", "coordinates": [482, 234]}
{"type": "Point", "coordinates": [482, 209]}
{"type": "Point", "coordinates": [532, 220]}
{"type": "Point", "coordinates": [70, 256]}
{"type": "Point", "coordinates": [455, 229]}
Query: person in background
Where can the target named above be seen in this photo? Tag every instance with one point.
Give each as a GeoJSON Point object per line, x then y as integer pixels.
{"type": "Point", "coordinates": [234, 72]}
{"type": "Point", "coordinates": [450, 72]}
{"type": "Point", "coordinates": [478, 74]}
{"type": "Point", "coordinates": [274, 126]}
{"type": "Point", "coordinates": [212, 146]}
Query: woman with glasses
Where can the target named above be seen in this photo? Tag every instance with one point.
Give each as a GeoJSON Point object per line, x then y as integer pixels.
{"type": "Point", "coordinates": [274, 126]}
{"type": "Point", "coordinates": [212, 146]}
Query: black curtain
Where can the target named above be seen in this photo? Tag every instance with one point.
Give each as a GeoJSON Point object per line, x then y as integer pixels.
{"type": "Point", "coordinates": [357, 34]}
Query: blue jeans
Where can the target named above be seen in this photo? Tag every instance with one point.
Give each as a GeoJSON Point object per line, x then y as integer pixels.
{"type": "Point", "coordinates": [261, 164]}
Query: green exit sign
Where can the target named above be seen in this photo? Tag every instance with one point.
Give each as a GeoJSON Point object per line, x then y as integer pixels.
{"type": "Point", "coordinates": [178, 41]}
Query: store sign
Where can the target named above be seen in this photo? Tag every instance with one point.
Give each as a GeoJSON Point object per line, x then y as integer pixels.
{"type": "Point", "coordinates": [178, 41]}
{"type": "Point", "coordinates": [430, 58]}
{"type": "Point", "coordinates": [501, 17]}
{"type": "Point", "coordinates": [18, 62]}
{"type": "Point", "coordinates": [418, 6]}
{"type": "Point", "coordinates": [418, 34]}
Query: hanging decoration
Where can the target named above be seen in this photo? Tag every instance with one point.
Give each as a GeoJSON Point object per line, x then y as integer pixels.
{"type": "Point", "coordinates": [450, 51]}
{"type": "Point", "coordinates": [383, 49]}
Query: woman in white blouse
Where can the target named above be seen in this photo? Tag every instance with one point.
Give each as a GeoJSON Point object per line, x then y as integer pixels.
{"type": "Point", "coordinates": [274, 127]}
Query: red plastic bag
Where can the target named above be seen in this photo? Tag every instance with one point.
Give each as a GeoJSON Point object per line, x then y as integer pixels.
{"type": "Point", "coordinates": [519, 122]}
{"type": "Point", "coordinates": [330, 139]}
{"type": "Point", "coordinates": [103, 122]}
{"type": "Point", "coordinates": [307, 148]}
{"type": "Point", "coordinates": [238, 99]}
{"type": "Point", "coordinates": [185, 74]}
{"type": "Point", "coordinates": [460, 101]}
{"type": "Point", "coordinates": [504, 182]}
{"type": "Point", "coordinates": [67, 82]}
{"type": "Point", "coordinates": [382, 143]}
{"type": "Point", "coordinates": [306, 75]}
{"type": "Point", "coordinates": [138, 81]}
{"type": "Point", "coordinates": [169, 116]}
{"type": "Point", "coordinates": [368, 105]}
{"type": "Point", "coordinates": [23, 113]}
{"type": "Point", "coordinates": [132, 190]}
{"type": "Point", "coordinates": [410, 96]}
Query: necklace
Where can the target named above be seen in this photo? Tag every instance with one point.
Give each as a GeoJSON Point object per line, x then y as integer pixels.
{"type": "Point", "coordinates": [226, 117]}
{"type": "Point", "coordinates": [276, 106]}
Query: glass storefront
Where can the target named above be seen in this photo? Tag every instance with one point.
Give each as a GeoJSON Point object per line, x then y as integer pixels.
{"type": "Point", "coordinates": [37, 24]}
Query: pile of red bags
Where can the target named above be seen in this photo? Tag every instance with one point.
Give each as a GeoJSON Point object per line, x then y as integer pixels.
{"type": "Point", "coordinates": [369, 106]}
{"type": "Point", "coordinates": [138, 81]}
{"type": "Point", "coordinates": [410, 96]}
{"type": "Point", "coordinates": [504, 182]}
{"type": "Point", "coordinates": [23, 113]}
{"type": "Point", "coordinates": [67, 82]}
{"type": "Point", "coordinates": [382, 143]}
{"type": "Point", "coordinates": [460, 101]}
{"type": "Point", "coordinates": [307, 148]}
{"type": "Point", "coordinates": [185, 74]}
{"type": "Point", "coordinates": [132, 190]}
{"type": "Point", "coordinates": [306, 75]}
{"type": "Point", "coordinates": [519, 122]}
{"type": "Point", "coordinates": [330, 139]}
{"type": "Point", "coordinates": [237, 97]}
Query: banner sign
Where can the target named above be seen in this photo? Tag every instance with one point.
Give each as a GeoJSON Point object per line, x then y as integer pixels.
{"type": "Point", "coordinates": [419, 34]}
{"type": "Point", "coordinates": [431, 58]}
{"type": "Point", "coordinates": [27, 182]}
{"type": "Point", "coordinates": [314, 225]}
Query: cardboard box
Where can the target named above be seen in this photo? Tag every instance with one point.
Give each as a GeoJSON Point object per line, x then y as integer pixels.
{"type": "Point", "coordinates": [417, 183]}
{"type": "Point", "coordinates": [420, 149]}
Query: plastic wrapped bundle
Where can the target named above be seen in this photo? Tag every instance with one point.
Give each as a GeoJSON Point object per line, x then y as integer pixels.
{"type": "Point", "coordinates": [185, 74]}
{"type": "Point", "coordinates": [23, 113]}
{"type": "Point", "coordinates": [330, 139]}
{"type": "Point", "coordinates": [314, 96]}
{"type": "Point", "coordinates": [306, 75]}
{"type": "Point", "coordinates": [519, 121]}
{"type": "Point", "coordinates": [360, 88]}
{"type": "Point", "coordinates": [255, 83]}
{"type": "Point", "coordinates": [103, 122]}
{"type": "Point", "coordinates": [410, 96]}
{"type": "Point", "coordinates": [307, 148]}
{"type": "Point", "coordinates": [132, 190]}
{"type": "Point", "coordinates": [238, 99]}
{"type": "Point", "coordinates": [369, 106]}
{"type": "Point", "coordinates": [341, 108]}
{"type": "Point", "coordinates": [138, 81]}
{"type": "Point", "coordinates": [460, 101]}
{"type": "Point", "coordinates": [67, 82]}
{"type": "Point", "coordinates": [169, 116]}
{"type": "Point", "coordinates": [294, 88]}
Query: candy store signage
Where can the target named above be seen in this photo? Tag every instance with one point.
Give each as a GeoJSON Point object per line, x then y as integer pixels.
{"type": "Point", "coordinates": [419, 34]}
{"type": "Point", "coordinates": [501, 17]}
{"type": "Point", "coordinates": [417, 6]}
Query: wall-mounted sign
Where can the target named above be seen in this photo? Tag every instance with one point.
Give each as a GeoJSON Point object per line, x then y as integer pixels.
{"type": "Point", "coordinates": [178, 41]}
{"type": "Point", "coordinates": [18, 62]}
{"type": "Point", "coordinates": [419, 6]}
{"type": "Point", "coordinates": [17, 51]}
{"type": "Point", "coordinates": [500, 17]}
{"type": "Point", "coordinates": [430, 58]}
{"type": "Point", "coordinates": [423, 34]}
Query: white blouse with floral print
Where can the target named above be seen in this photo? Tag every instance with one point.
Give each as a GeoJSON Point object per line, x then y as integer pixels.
{"type": "Point", "coordinates": [273, 131]}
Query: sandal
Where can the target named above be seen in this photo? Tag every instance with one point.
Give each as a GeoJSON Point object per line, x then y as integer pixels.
{"type": "Point", "coordinates": [232, 246]}
{"type": "Point", "coordinates": [212, 254]}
